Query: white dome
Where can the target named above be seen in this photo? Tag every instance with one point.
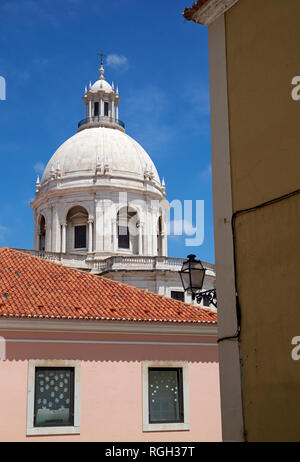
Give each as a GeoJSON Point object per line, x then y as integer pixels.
{"type": "Point", "coordinates": [101, 85]}
{"type": "Point", "coordinates": [89, 148]}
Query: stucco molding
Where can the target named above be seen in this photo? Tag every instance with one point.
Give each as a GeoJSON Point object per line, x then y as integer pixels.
{"type": "Point", "coordinates": [89, 326]}
{"type": "Point", "coordinates": [107, 342]}
{"type": "Point", "coordinates": [80, 190]}
{"type": "Point", "coordinates": [212, 10]}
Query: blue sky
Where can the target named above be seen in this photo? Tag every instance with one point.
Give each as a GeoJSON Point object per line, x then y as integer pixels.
{"type": "Point", "coordinates": [160, 62]}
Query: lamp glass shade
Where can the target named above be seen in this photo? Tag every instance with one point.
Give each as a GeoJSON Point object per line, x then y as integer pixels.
{"type": "Point", "coordinates": [192, 275]}
{"type": "Point", "coordinates": [185, 279]}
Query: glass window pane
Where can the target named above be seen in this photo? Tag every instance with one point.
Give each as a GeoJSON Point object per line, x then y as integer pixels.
{"type": "Point", "coordinates": [165, 395]}
{"type": "Point", "coordinates": [123, 237]}
{"type": "Point", "coordinates": [80, 237]}
{"type": "Point", "coordinates": [177, 295]}
{"type": "Point", "coordinates": [106, 109]}
{"type": "Point", "coordinates": [54, 397]}
{"type": "Point", "coordinates": [186, 281]}
{"type": "Point", "coordinates": [197, 277]}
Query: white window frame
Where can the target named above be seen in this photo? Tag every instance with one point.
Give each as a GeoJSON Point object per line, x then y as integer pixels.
{"type": "Point", "coordinates": [31, 429]}
{"type": "Point", "coordinates": [177, 426]}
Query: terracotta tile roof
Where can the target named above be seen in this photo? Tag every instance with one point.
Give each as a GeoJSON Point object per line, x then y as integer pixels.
{"type": "Point", "coordinates": [189, 12]}
{"type": "Point", "coordinates": [32, 287]}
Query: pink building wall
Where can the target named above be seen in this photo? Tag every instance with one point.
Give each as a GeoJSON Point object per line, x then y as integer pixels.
{"type": "Point", "coordinates": [111, 385]}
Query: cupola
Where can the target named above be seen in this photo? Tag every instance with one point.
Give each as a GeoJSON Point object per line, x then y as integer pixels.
{"type": "Point", "coordinates": [101, 103]}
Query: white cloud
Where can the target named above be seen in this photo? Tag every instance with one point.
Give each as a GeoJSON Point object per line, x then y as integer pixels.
{"type": "Point", "coordinates": [117, 61]}
{"type": "Point", "coordinates": [206, 173]}
{"type": "Point", "coordinates": [39, 168]}
{"type": "Point", "coordinates": [28, 201]}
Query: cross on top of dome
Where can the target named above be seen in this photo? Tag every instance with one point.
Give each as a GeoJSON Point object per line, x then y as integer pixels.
{"type": "Point", "coordinates": [102, 55]}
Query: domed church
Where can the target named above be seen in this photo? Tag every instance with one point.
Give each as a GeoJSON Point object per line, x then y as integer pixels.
{"type": "Point", "coordinates": [101, 205]}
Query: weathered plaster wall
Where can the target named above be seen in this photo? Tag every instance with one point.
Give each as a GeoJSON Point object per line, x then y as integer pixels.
{"type": "Point", "coordinates": [262, 39]}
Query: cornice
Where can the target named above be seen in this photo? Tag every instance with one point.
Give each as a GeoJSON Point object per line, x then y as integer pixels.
{"type": "Point", "coordinates": [210, 11]}
{"type": "Point", "coordinates": [66, 192]}
{"type": "Point", "coordinates": [89, 326]}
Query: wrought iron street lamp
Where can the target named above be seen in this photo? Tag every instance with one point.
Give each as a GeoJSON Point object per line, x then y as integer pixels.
{"type": "Point", "coordinates": [192, 277]}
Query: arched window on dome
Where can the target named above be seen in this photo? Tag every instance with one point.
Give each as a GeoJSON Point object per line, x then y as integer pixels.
{"type": "Point", "coordinates": [128, 230]}
{"type": "Point", "coordinates": [42, 233]}
{"type": "Point", "coordinates": [77, 229]}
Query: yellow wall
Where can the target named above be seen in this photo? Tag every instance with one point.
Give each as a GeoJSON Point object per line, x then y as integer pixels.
{"type": "Point", "coordinates": [263, 55]}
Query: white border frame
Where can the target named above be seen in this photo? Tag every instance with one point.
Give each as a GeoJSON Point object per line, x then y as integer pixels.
{"type": "Point", "coordinates": [182, 426]}
{"type": "Point", "coordinates": [31, 430]}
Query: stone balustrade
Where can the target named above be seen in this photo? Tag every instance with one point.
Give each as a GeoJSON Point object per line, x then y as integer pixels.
{"type": "Point", "coordinates": [117, 263]}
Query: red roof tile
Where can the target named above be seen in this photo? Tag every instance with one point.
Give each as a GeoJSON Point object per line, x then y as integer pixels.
{"type": "Point", "coordinates": [189, 12]}
{"type": "Point", "coordinates": [33, 287]}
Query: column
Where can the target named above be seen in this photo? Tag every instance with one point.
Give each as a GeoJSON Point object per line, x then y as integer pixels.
{"type": "Point", "coordinates": [36, 232]}
{"type": "Point", "coordinates": [90, 108]}
{"type": "Point", "coordinates": [164, 237]}
{"type": "Point", "coordinates": [154, 236]}
{"type": "Point", "coordinates": [90, 244]}
{"type": "Point", "coordinates": [113, 109]}
{"type": "Point", "coordinates": [115, 234]}
{"type": "Point", "coordinates": [117, 112]}
{"type": "Point", "coordinates": [64, 238]}
{"type": "Point", "coordinates": [55, 233]}
{"type": "Point", "coordinates": [164, 245]}
{"type": "Point", "coordinates": [141, 239]}
{"type": "Point", "coordinates": [148, 230]}
{"type": "Point", "coordinates": [85, 110]}
{"type": "Point", "coordinates": [107, 225]}
{"type": "Point", "coordinates": [99, 222]}
{"type": "Point", "coordinates": [48, 238]}
{"type": "Point", "coordinates": [37, 241]}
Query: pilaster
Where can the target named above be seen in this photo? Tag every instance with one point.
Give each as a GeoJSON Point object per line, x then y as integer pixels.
{"type": "Point", "coordinates": [107, 226]}
{"type": "Point", "coordinates": [99, 222]}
